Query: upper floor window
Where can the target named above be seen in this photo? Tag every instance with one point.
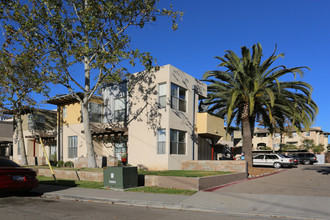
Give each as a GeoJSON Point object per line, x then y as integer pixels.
{"type": "Point", "coordinates": [64, 112]}
{"type": "Point", "coordinates": [178, 142]}
{"type": "Point", "coordinates": [276, 135]}
{"type": "Point", "coordinates": [178, 98]}
{"type": "Point", "coordinates": [120, 109]}
{"type": "Point", "coordinates": [162, 95]}
{"type": "Point", "coordinates": [36, 122]}
{"type": "Point", "coordinates": [294, 134]}
{"type": "Point", "coordinates": [95, 112]}
{"type": "Point", "coordinates": [262, 134]}
{"type": "Point", "coordinates": [307, 133]}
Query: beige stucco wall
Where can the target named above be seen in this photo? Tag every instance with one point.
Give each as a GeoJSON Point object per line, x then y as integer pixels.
{"type": "Point", "coordinates": [101, 149]}
{"type": "Point", "coordinates": [142, 140]}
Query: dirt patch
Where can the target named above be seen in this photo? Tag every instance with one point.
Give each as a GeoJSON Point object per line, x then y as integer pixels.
{"type": "Point", "coordinates": [261, 171]}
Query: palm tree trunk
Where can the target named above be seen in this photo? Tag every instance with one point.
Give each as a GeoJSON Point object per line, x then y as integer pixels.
{"type": "Point", "coordinates": [247, 141]}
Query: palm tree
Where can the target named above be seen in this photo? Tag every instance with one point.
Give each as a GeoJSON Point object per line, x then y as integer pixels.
{"type": "Point", "coordinates": [250, 91]}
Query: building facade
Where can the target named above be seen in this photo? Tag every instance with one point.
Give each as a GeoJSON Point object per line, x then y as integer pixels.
{"type": "Point", "coordinates": [36, 123]}
{"type": "Point", "coordinates": [160, 112]}
{"type": "Point", "coordinates": [263, 138]}
{"type": "Point", "coordinates": [152, 119]}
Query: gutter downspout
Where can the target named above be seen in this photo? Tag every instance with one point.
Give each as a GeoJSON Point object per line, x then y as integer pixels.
{"type": "Point", "coordinates": [193, 123]}
{"type": "Point", "coordinates": [59, 134]}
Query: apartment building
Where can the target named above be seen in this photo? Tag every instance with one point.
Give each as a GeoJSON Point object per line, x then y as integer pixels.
{"type": "Point", "coordinates": [6, 138]}
{"type": "Point", "coordinates": [159, 111]}
{"type": "Point", "coordinates": [262, 138]}
{"type": "Point", "coordinates": [36, 123]}
{"type": "Point", "coordinates": [70, 139]}
{"type": "Point", "coordinates": [152, 118]}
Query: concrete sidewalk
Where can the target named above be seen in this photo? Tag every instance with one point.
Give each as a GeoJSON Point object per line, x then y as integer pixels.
{"type": "Point", "coordinates": [259, 205]}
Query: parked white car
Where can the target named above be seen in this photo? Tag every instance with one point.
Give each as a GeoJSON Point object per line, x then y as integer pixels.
{"type": "Point", "coordinates": [274, 160]}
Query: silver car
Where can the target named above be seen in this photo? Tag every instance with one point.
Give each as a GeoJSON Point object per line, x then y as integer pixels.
{"type": "Point", "coordinates": [274, 160]}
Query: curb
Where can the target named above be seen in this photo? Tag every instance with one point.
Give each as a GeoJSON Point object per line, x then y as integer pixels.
{"type": "Point", "coordinates": [160, 205]}
{"type": "Point", "coordinates": [239, 181]}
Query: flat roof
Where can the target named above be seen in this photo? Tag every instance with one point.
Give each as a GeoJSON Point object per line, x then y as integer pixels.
{"type": "Point", "coordinates": [69, 99]}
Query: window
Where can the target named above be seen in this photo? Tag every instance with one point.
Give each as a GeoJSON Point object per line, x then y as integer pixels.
{"type": "Point", "coordinates": [72, 146]}
{"type": "Point", "coordinates": [307, 134]}
{"type": "Point", "coordinates": [161, 145]}
{"type": "Point", "coordinates": [64, 112]}
{"type": "Point", "coordinates": [178, 142]}
{"type": "Point", "coordinates": [271, 157]}
{"type": "Point", "coordinates": [119, 109]}
{"type": "Point", "coordinates": [262, 134]}
{"type": "Point", "coordinates": [19, 147]}
{"type": "Point", "coordinates": [95, 112]}
{"type": "Point", "coordinates": [178, 98]}
{"type": "Point", "coordinates": [120, 149]}
{"type": "Point", "coordinates": [294, 134]}
{"type": "Point", "coordinates": [162, 95]}
{"type": "Point", "coordinates": [259, 157]}
{"type": "Point", "coordinates": [36, 122]}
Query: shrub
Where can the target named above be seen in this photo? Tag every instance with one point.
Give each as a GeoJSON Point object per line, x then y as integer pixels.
{"type": "Point", "coordinates": [69, 164]}
{"type": "Point", "coordinates": [60, 163]}
{"type": "Point", "coordinates": [53, 163]}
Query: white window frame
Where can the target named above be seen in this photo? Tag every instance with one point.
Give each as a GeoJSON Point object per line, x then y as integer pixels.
{"type": "Point", "coordinates": [72, 146]}
{"type": "Point", "coordinates": [307, 134]}
{"type": "Point", "coordinates": [64, 112]}
{"type": "Point", "coordinates": [178, 100]}
{"type": "Point", "coordinates": [162, 95]}
{"type": "Point", "coordinates": [161, 141]}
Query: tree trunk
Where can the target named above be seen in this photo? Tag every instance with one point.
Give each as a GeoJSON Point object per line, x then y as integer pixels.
{"type": "Point", "coordinates": [247, 141]}
{"type": "Point", "coordinates": [21, 139]}
{"type": "Point", "coordinates": [88, 136]}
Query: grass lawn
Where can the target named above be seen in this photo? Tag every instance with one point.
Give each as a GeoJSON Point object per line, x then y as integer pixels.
{"type": "Point", "coordinates": [148, 189]}
{"type": "Point", "coordinates": [99, 185]}
{"type": "Point", "coordinates": [72, 183]}
{"type": "Point", "coordinates": [182, 173]}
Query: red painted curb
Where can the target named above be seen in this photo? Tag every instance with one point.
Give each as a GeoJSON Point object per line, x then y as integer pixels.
{"type": "Point", "coordinates": [240, 181]}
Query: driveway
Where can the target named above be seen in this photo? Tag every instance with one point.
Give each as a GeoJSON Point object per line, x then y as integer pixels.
{"type": "Point", "coordinates": [298, 193]}
{"type": "Point", "coordinates": [306, 180]}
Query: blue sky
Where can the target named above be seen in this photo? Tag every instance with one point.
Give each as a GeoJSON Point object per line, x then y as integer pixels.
{"type": "Point", "coordinates": [300, 28]}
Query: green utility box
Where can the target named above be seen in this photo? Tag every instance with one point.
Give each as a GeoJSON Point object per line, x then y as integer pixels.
{"type": "Point", "coordinates": [120, 177]}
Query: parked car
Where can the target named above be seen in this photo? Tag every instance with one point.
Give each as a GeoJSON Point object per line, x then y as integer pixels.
{"type": "Point", "coordinates": [295, 160]}
{"type": "Point", "coordinates": [305, 158]}
{"type": "Point", "coordinates": [275, 160]}
{"type": "Point", "coordinates": [13, 177]}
